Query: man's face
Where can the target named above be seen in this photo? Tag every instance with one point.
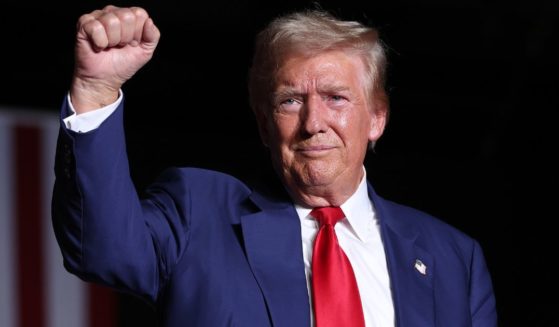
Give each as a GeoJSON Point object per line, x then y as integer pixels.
{"type": "Point", "coordinates": [320, 124]}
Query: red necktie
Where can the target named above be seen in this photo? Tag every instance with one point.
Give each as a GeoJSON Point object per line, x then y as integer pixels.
{"type": "Point", "coordinates": [336, 297]}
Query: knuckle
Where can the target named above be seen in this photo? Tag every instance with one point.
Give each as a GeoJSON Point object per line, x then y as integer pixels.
{"type": "Point", "coordinates": [139, 12]}
{"type": "Point", "coordinates": [110, 20]}
{"type": "Point", "coordinates": [109, 8]}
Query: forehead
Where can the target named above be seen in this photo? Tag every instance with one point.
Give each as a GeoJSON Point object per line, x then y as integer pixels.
{"type": "Point", "coordinates": [327, 68]}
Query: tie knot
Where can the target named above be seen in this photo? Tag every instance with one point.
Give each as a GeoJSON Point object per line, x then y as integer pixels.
{"type": "Point", "coordinates": [327, 215]}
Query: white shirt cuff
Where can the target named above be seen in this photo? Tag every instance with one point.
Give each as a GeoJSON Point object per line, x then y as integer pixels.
{"type": "Point", "coordinates": [90, 120]}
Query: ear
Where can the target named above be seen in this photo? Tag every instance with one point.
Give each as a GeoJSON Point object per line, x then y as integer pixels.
{"type": "Point", "coordinates": [262, 122]}
{"type": "Point", "coordinates": [379, 118]}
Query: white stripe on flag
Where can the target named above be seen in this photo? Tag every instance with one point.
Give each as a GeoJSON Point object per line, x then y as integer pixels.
{"type": "Point", "coordinates": [8, 295]}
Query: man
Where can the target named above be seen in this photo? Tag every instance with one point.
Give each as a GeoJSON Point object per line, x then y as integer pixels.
{"type": "Point", "coordinates": [208, 250]}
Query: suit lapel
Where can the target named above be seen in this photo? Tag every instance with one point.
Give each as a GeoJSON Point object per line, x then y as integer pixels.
{"type": "Point", "coordinates": [273, 246]}
{"type": "Point", "coordinates": [272, 239]}
{"type": "Point", "coordinates": [411, 269]}
{"type": "Point", "coordinates": [412, 290]}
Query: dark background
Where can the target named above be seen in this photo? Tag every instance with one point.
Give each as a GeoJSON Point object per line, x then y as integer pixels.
{"type": "Point", "coordinates": [472, 137]}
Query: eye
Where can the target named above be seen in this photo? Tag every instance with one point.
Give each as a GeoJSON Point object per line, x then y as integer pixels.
{"type": "Point", "coordinates": [336, 100]}
{"type": "Point", "coordinates": [290, 101]}
{"type": "Point", "coordinates": [289, 105]}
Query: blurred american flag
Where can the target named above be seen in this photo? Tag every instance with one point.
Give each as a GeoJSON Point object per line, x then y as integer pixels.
{"type": "Point", "coordinates": [35, 289]}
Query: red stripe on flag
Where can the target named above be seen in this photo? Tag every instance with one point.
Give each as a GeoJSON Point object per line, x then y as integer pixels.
{"type": "Point", "coordinates": [28, 204]}
{"type": "Point", "coordinates": [102, 306]}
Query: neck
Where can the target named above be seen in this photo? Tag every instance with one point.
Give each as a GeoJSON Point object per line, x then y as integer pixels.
{"type": "Point", "coordinates": [312, 196]}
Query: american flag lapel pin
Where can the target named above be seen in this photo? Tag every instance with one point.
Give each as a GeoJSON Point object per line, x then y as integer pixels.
{"type": "Point", "coordinates": [421, 267]}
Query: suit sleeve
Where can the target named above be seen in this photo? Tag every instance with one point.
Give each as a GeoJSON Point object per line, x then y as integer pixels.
{"type": "Point", "coordinates": [482, 299]}
{"type": "Point", "coordinates": [106, 234]}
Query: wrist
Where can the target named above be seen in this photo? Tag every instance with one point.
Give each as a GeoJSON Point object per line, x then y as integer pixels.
{"type": "Point", "coordinates": [90, 95]}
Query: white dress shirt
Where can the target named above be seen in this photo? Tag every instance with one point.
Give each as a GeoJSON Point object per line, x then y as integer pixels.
{"type": "Point", "coordinates": [358, 235]}
{"type": "Point", "coordinates": [90, 120]}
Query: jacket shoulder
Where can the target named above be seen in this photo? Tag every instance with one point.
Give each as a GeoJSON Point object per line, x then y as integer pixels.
{"type": "Point", "coordinates": [408, 220]}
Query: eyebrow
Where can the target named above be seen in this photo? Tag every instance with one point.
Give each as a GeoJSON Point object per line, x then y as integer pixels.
{"type": "Point", "coordinates": [333, 88]}
{"type": "Point", "coordinates": [287, 92]}
{"type": "Point", "coordinates": [290, 90]}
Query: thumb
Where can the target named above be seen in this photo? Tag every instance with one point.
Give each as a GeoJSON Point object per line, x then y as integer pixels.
{"type": "Point", "coordinates": [150, 34]}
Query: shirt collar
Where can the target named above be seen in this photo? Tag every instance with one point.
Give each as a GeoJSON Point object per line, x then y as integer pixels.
{"type": "Point", "coordinates": [357, 208]}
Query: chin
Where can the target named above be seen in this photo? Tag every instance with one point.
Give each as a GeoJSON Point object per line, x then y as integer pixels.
{"type": "Point", "coordinates": [316, 177]}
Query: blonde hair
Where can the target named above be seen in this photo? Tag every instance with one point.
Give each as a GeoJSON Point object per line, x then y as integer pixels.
{"type": "Point", "coordinates": [309, 33]}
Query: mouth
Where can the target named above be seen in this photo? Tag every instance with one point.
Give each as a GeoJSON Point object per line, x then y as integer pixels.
{"type": "Point", "coordinates": [314, 150]}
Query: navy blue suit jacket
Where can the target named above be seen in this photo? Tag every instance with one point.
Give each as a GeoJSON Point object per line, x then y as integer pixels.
{"type": "Point", "coordinates": [206, 250]}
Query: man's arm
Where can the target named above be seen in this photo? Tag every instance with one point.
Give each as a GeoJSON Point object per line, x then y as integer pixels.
{"type": "Point", "coordinates": [97, 215]}
{"type": "Point", "coordinates": [99, 221]}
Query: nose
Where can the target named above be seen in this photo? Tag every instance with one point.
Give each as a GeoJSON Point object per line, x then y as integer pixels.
{"type": "Point", "coordinates": [314, 118]}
